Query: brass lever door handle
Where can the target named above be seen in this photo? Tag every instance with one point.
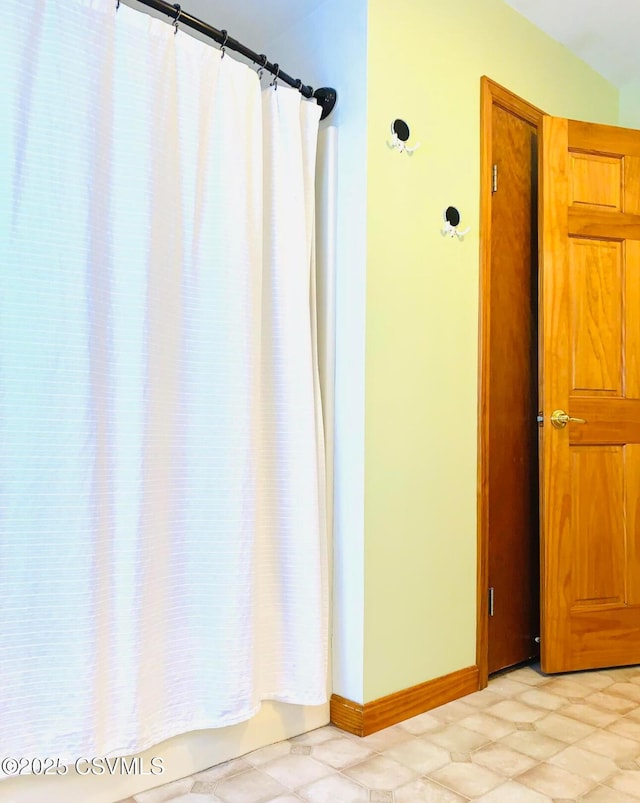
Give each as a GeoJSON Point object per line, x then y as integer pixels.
{"type": "Point", "coordinates": [560, 419]}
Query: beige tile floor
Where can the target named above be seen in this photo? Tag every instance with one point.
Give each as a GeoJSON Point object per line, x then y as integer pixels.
{"type": "Point", "coordinates": [527, 738]}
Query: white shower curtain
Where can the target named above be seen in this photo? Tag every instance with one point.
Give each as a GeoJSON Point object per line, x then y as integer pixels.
{"type": "Point", "coordinates": [163, 560]}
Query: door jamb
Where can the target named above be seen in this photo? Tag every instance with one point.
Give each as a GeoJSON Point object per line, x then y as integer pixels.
{"type": "Point", "coordinates": [491, 94]}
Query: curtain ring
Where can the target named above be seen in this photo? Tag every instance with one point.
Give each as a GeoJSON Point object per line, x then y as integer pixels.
{"type": "Point", "coordinates": [177, 17]}
{"type": "Point", "coordinates": [298, 85]}
{"type": "Point", "coordinates": [224, 42]}
{"type": "Point", "coordinates": [117, 4]}
{"type": "Point", "coordinates": [261, 66]}
{"type": "Point", "coordinates": [274, 83]}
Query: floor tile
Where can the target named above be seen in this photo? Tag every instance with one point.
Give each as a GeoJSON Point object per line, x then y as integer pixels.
{"type": "Point", "coordinates": [543, 699]}
{"type": "Point", "coordinates": [385, 738]}
{"type": "Point", "coordinates": [286, 799]}
{"type": "Point", "coordinates": [568, 687]}
{"type": "Point", "coordinates": [626, 689]}
{"type": "Point", "coordinates": [563, 728]}
{"type": "Point", "coordinates": [470, 780]}
{"type": "Point", "coordinates": [536, 745]}
{"type": "Point", "coordinates": [458, 739]}
{"type": "Point", "coordinates": [604, 794]}
{"type": "Point", "coordinates": [224, 770]}
{"type": "Point", "coordinates": [380, 796]}
{"type": "Point", "coordinates": [505, 687]}
{"type": "Point", "coordinates": [528, 675]}
{"type": "Point", "coordinates": [265, 754]}
{"type": "Point", "coordinates": [204, 787]}
{"type": "Point", "coordinates": [426, 791]}
{"type": "Point", "coordinates": [340, 752]}
{"type": "Point", "coordinates": [589, 714]}
{"type": "Point", "coordinates": [635, 714]}
{"type": "Point", "coordinates": [611, 702]}
{"type": "Point", "coordinates": [334, 788]}
{"type": "Point", "coordinates": [452, 712]}
{"type": "Point", "coordinates": [584, 762]}
{"type": "Point", "coordinates": [420, 724]}
{"type": "Point", "coordinates": [419, 755]}
{"type": "Point", "coordinates": [165, 792]}
{"type": "Point", "coordinates": [625, 727]}
{"type": "Point", "coordinates": [294, 771]}
{"type": "Point", "coordinates": [627, 781]}
{"type": "Point", "coordinates": [482, 699]}
{"type": "Point", "coordinates": [318, 735]}
{"type": "Point", "coordinates": [252, 786]}
{"type": "Point", "coordinates": [628, 764]}
{"type": "Point", "coordinates": [488, 725]}
{"type": "Point", "coordinates": [592, 680]}
{"type": "Point", "coordinates": [512, 792]}
{"type": "Point", "coordinates": [608, 744]}
{"type": "Point", "coordinates": [503, 760]}
{"type": "Point", "coordinates": [381, 772]}
{"type": "Point", "coordinates": [515, 711]}
{"type": "Point", "coordinates": [555, 782]}
{"type": "Point", "coordinates": [622, 673]}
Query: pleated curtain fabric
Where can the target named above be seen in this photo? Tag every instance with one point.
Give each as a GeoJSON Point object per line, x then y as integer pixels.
{"type": "Point", "coordinates": [163, 556]}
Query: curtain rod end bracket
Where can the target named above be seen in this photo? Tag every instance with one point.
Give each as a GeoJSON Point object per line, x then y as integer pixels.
{"type": "Point", "coordinates": [326, 97]}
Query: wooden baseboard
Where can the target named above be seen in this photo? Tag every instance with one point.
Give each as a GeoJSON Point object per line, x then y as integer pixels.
{"type": "Point", "coordinates": [385, 711]}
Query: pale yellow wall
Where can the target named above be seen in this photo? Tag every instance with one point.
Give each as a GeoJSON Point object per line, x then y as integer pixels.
{"type": "Point", "coordinates": [425, 59]}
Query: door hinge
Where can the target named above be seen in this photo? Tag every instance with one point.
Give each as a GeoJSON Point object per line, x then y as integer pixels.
{"type": "Point", "coordinates": [491, 595]}
{"type": "Point", "coordinates": [494, 179]}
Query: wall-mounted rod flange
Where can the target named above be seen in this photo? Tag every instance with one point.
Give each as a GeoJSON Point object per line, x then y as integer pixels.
{"type": "Point", "coordinates": [326, 97]}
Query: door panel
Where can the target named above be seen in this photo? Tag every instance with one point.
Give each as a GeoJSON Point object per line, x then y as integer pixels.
{"type": "Point", "coordinates": [595, 268]}
{"type": "Point", "coordinates": [597, 493]}
{"type": "Point", "coordinates": [589, 367]}
{"type": "Point", "coordinates": [595, 181]}
{"type": "Point", "coordinates": [632, 493]}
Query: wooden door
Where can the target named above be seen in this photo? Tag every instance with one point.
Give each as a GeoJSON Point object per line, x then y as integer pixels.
{"type": "Point", "coordinates": [512, 393]}
{"type": "Point", "coordinates": [590, 369]}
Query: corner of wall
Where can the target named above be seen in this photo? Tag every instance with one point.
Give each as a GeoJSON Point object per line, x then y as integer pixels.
{"type": "Point", "coordinates": [629, 105]}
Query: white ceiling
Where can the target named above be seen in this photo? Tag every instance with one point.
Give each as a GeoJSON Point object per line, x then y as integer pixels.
{"type": "Point", "coordinates": [255, 23]}
{"type": "Point", "coordinates": [604, 33]}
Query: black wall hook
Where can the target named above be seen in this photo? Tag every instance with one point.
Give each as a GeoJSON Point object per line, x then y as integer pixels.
{"type": "Point", "coordinates": [452, 216]}
{"type": "Point", "coordinates": [400, 129]}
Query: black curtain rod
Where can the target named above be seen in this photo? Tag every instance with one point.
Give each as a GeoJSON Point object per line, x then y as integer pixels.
{"type": "Point", "coordinates": [325, 97]}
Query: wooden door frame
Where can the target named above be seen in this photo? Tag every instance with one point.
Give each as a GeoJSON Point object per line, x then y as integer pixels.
{"type": "Point", "coordinates": [491, 94]}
